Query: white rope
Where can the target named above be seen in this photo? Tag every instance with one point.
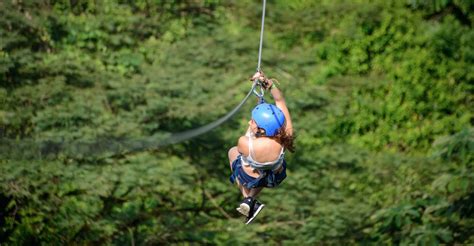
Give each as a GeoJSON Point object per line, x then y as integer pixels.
{"type": "Point", "coordinates": [260, 93]}
{"type": "Point", "coordinates": [261, 36]}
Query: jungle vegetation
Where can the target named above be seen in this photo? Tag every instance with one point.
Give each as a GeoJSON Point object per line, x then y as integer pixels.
{"type": "Point", "coordinates": [381, 94]}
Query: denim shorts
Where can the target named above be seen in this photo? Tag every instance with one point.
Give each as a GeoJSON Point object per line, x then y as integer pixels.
{"type": "Point", "coordinates": [267, 178]}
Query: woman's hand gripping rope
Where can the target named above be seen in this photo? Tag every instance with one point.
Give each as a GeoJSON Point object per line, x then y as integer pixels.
{"type": "Point", "coordinates": [266, 83]}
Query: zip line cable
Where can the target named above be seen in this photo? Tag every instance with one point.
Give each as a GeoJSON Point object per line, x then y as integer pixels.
{"type": "Point", "coordinates": [261, 37]}
{"type": "Point", "coordinates": [259, 69]}
{"type": "Point", "coordinates": [107, 147]}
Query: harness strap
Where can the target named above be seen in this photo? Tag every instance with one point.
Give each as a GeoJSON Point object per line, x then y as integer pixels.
{"type": "Point", "coordinates": [251, 147]}
{"type": "Point", "coordinates": [273, 165]}
{"type": "Point", "coordinates": [263, 167]}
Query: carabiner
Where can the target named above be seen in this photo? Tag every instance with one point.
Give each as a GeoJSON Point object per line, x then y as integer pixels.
{"type": "Point", "coordinates": [262, 91]}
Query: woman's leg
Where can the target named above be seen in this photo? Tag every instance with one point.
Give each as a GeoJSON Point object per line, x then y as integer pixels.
{"type": "Point", "coordinates": [245, 192]}
{"type": "Point", "coordinates": [255, 191]}
{"type": "Point", "coordinates": [233, 153]}
{"type": "Point", "coordinates": [249, 192]}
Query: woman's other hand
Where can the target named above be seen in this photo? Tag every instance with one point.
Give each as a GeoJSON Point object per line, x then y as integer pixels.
{"type": "Point", "coordinates": [267, 84]}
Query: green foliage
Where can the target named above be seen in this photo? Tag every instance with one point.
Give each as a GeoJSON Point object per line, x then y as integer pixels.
{"type": "Point", "coordinates": [456, 148]}
{"type": "Point", "coordinates": [380, 94]}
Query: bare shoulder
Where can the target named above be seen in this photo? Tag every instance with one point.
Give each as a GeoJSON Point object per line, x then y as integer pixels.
{"type": "Point", "coordinates": [266, 149]}
{"type": "Point", "coordinates": [266, 142]}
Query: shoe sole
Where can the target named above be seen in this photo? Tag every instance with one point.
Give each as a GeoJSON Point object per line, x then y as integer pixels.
{"type": "Point", "coordinates": [244, 209]}
{"type": "Point", "coordinates": [255, 214]}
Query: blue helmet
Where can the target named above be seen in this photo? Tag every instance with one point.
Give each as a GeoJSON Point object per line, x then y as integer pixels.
{"type": "Point", "coordinates": [269, 117]}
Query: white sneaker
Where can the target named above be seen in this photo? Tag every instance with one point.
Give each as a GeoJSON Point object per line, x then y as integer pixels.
{"type": "Point", "coordinates": [245, 205]}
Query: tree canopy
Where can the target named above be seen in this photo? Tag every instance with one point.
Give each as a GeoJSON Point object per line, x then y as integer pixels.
{"type": "Point", "coordinates": [381, 95]}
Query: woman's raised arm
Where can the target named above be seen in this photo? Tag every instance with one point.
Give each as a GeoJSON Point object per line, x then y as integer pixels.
{"type": "Point", "coordinates": [279, 99]}
{"type": "Point", "coordinates": [280, 103]}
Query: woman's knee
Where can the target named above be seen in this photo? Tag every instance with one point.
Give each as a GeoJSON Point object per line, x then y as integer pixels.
{"type": "Point", "coordinates": [233, 153]}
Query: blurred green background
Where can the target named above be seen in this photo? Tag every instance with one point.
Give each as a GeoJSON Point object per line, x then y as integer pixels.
{"type": "Point", "coordinates": [381, 94]}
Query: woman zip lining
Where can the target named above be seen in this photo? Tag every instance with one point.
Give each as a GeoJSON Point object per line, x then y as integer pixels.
{"type": "Point", "coordinates": [258, 159]}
